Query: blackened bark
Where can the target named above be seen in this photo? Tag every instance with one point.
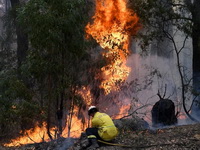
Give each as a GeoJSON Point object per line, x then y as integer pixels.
{"type": "Point", "coordinates": [22, 37]}
{"type": "Point", "coordinates": [49, 121]}
{"type": "Point", "coordinates": [163, 113]}
{"type": "Point", "coordinates": [196, 52]}
{"type": "Point", "coordinates": [196, 36]}
{"type": "Point", "coordinates": [59, 114]}
{"type": "Point", "coordinates": [49, 106]}
{"type": "Point", "coordinates": [22, 45]}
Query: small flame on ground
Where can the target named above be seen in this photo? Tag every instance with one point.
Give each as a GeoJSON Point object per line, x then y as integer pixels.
{"type": "Point", "coordinates": [182, 116]}
{"type": "Point", "coordinates": [39, 134]}
{"type": "Point", "coordinates": [112, 27]}
{"type": "Point", "coordinates": [36, 135]}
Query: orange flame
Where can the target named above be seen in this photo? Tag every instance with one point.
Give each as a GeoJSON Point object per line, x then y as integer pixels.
{"type": "Point", "coordinates": [75, 127]}
{"type": "Point", "coordinates": [123, 112]}
{"type": "Point", "coordinates": [38, 134]}
{"type": "Point", "coordinates": [182, 116]}
{"type": "Point", "coordinates": [112, 27]}
{"type": "Point", "coordinates": [86, 95]}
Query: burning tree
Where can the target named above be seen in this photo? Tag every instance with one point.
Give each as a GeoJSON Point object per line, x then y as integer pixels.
{"type": "Point", "coordinates": [112, 27]}
{"type": "Point", "coordinates": [65, 80]}
{"type": "Point", "coordinates": [52, 70]}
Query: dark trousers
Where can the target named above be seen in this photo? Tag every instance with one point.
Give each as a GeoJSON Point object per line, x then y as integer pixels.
{"type": "Point", "coordinates": [94, 132]}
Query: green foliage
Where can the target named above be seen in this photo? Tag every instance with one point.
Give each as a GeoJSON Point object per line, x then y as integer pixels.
{"type": "Point", "coordinates": [57, 55]}
{"type": "Point", "coordinates": [156, 16]}
{"type": "Point", "coordinates": [54, 24]}
{"type": "Point", "coordinates": [18, 111]}
{"type": "Point", "coordinates": [56, 34]}
{"type": "Point", "coordinates": [11, 87]}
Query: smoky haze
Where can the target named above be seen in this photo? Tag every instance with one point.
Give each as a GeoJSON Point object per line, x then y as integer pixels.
{"type": "Point", "coordinates": [158, 72]}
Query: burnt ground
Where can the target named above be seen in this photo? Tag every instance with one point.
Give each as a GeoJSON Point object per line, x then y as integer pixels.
{"type": "Point", "coordinates": [184, 137]}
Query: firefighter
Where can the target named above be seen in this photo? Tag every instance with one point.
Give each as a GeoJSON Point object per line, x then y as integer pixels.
{"type": "Point", "coordinates": [102, 128]}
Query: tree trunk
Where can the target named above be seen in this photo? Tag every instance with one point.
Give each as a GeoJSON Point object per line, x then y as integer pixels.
{"type": "Point", "coordinates": [196, 36]}
{"type": "Point", "coordinates": [22, 37]}
{"type": "Point", "coordinates": [22, 45]}
{"type": "Point", "coordinates": [196, 47]}
{"type": "Point", "coordinates": [59, 114]}
{"type": "Point", "coordinates": [49, 106]}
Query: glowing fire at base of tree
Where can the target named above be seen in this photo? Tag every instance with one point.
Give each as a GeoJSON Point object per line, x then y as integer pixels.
{"type": "Point", "coordinates": [36, 135]}
{"type": "Point", "coordinates": [112, 27]}
{"type": "Point", "coordinates": [39, 133]}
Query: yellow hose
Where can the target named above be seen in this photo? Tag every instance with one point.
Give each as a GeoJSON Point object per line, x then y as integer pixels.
{"type": "Point", "coordinates": [114, 144]}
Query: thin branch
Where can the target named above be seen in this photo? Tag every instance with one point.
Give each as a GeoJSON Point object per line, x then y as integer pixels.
{"type": "Point", "coordinates": [192, 103]}
{"type": "Point", "coordinates": [159, 94]}
{"type": "Point", "coordinates": [180, 72]}
{"type": "Point", "coordinates": [29, 137]}
{"type": "Point", "coordinates": [184, 42]}
{"type": "Point", "coordinates": [134, 111]}
{"type": "Point", "coordinates": [171, 94]}
{"type": "Point", "coordinates": [165, 90]}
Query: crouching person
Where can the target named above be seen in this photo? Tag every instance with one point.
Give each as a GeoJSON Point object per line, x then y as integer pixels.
{"type": "Point", "coordinates": [102, 128]}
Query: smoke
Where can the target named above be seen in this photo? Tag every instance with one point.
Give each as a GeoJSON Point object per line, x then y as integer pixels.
{"type": "Point", "coordinates": [67, 143]}
{"type": "Point", "coordinates": [157, 73]}
{"type": "Point", "coordinates": [150, 75]}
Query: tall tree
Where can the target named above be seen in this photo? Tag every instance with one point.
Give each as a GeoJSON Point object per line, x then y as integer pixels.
{"type": "Point", "coordinates": [56, 34]}
{"type": "Point", "coordinates": [22, 38]}
{"type": "Point", "coordinates": [194, 8]}
{"type": "Point", "coordinates": [185, 16]}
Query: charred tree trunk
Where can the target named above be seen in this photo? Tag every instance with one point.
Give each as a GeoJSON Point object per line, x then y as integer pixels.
{"type": "Point", "coordinates": [60, 114]}
{"type": "Point", "coordinates": [196, 48]}
{"type": "Point", "coordinates": [49, 121]}
{"type": "Point", "coordinates": [22, 45]}
{"type": "Point", "coordinates": [49, 107]}
{"type": "Point", "coordinates": [22, 37]}
{"type": "Point", "coordinates": [71, 110]}
{"type": "Point", "coordinates": [196, 35]}
{"type": "Point", "coordinates": [62, 93]}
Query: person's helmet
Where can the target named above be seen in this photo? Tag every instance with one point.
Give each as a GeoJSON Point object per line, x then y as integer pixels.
{"type": "Point", "coordinates": [92, 109]}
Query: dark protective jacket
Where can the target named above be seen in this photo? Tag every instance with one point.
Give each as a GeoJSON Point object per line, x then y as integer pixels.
{"type": "Point", "coordinates": [106, 128]}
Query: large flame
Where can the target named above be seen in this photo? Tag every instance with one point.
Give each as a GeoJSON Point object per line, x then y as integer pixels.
{"type": "Point", "coordinates": [39, 133]}
{"type": "Point", "coordinates": [112, 27]}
